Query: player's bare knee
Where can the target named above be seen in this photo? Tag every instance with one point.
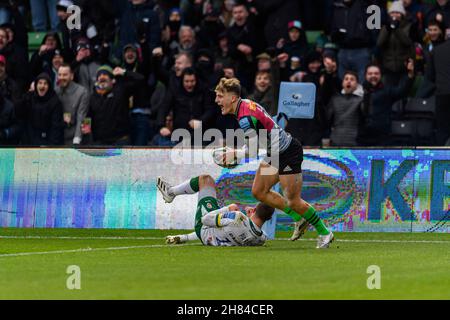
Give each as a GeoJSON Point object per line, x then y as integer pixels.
{"type": "Point", "coordinates": [294, 202]}
{"type": "Point", "coordinates": [206, 181]}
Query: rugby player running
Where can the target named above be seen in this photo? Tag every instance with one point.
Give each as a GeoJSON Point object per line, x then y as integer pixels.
{"type": "Point", "coordinates": [282, 164]}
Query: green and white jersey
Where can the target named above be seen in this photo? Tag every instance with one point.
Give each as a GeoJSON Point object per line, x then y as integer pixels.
{"type": "Point", "coordinates": [230, 228]}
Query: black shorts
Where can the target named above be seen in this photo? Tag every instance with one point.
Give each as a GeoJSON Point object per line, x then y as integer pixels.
{"type": "Point", "coordinates": [290, 161]}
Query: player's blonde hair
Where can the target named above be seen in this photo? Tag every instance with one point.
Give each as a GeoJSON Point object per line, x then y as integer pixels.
{"type": "Point", "coordinates": [232, 85]}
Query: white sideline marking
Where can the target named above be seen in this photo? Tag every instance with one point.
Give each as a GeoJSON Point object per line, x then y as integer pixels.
{"type": "Point", "coordinates": [163, 238]}
{"type": "Point", "coordinates": [372, 240]}
{"type": "Point", "coordinates": [81, 238]}
{"type": "Point", "coordinates": [21, 254]}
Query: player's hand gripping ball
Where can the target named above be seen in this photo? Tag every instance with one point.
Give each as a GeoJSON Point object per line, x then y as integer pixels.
{"type": "Point", "coordinates": [225, 157]}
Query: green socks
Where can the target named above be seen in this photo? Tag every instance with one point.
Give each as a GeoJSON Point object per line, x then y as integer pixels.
{"type": "Point", "coordinates": [312, 217]}
{"type": "Point", "coordinates": [194, 184]}
{"type": "Point", "coordinates": [294, 215]}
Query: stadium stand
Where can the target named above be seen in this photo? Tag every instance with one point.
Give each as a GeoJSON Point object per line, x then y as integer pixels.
{"type": "Point", "coordinates": [146, 37]}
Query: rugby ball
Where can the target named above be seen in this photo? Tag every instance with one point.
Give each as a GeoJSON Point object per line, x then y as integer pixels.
{"type": "Point", "coordinates": [218, 156]}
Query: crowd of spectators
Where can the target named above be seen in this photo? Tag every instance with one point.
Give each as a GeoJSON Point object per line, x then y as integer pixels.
{"type": "Point", "coordinates": [139, 69]}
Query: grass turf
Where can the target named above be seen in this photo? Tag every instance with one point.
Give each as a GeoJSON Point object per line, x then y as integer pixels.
{"type": "Point", "coordinates": [138, 265]}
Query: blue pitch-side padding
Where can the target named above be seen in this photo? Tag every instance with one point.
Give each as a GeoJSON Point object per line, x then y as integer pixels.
{"type": "Point", "coordinates": [297, 100]}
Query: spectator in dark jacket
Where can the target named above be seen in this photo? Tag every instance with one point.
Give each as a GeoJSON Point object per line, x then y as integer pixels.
{"type": "Point", "coordinates": [143, 113]}
{"type": "Point", "coordinates": [17, 65]}
{"type": "Point", "coordinates": [109, 105]}
{"type": "Point", "coordinates": [344, 112]}
{"type": "Point", "coordinates": [395, 44]}
{"type": "Point", "coordinates": [329, 83]}
{"type": "Point", "coordinates": [192, 105]}
{"type": "Point", "coordinates": [186, 43]}
{"type": "Point", "coordinates": [8, 87]}
{"type": "Point", "coordinates": [264, 92]}
{"type": "Point", "coordinates": [42, 60]}
{"type": "Point", "coordinates": [42, 114]}
{"type": "Point", "coordinates": [9, 126]}
{"type": "Point", "coordinates": [222, 53]}
{"type": "Point", "coordinates": [279, 13]}
{"type": "Point", "coordinates": [435, 37]}
{"type": "Point", "coordinates": [414, 15]}
{"type": "Point", "coordinates": [17, 31]}
{"type": "Point", "coordinates": [243, 44]}
{"type": "Point", "coordinates": [171, 78]}
{"type": "Point", "coordinates": [204, 67]}
{"type": "Point", "coordinates": [98, 21]}
{"type": "Point", "coordinates": [349, 31]}
{"type": "Point", "coordinates": [85, 65]}
{"type": "Point", "coordinates": [210, 27]}
{"type": "Point", "coordinates": [439, 11]}
{"type": "Point", "coordinates": [378, 101]}
{"type": "Point", "coordinates": [295, 46]}
{"type": "Point", "coordinates": [310, 131]}
{"type": "Point", "coordinates": [440, 76]}
{"type": "Point", "coordinates": [138, 21]}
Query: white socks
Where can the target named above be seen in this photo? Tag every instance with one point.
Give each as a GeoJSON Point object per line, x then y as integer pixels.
{"type": "Point", "coordinates": [183, 188]}
{"type": "Point", "coordinates": [189, 237]}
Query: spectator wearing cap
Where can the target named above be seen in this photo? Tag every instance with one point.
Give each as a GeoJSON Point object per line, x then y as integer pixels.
{"type": "Point", "coordinates": [350, 33]}
{"type": "Point", "coordinates": [8, 87]}
{"type": "Point", "coordinates": [171, 29]}
{"type": "Point", "coordinates": [16, 64]}
{"type": "Point", "coordinates": [42, 114]}
{"type": "Point", "coordinates": [43, 12]}
{"type": "Point", "coordinates": [85, 65]}
{"type": "Point", "coordinates": [42, 60]}
{"type": "Point", "coordinates": [243, 44]}
{"type": "Point", "coordinates": [265, 62]}
{"type": "Point", "coordinates": [279, 13]}
{"type": "Point", "coordinates": [295, 47]}
{"type": "Point", "coordinates": [395, 45]}
{"type": "Point", "coordinates": [138, 21]}
{"type": "Point", "coordinates": [109, 105]}
{"type": "Point", "coordinates": [75, 102]}
{"type": "Point", "coordinates": [55, 60]}
{"type": "Point", "coordinates": [143, 112]}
